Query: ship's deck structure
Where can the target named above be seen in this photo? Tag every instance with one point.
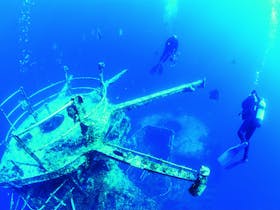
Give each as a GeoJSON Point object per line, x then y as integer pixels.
{"type": "Point", "coordinates": [58, 136]}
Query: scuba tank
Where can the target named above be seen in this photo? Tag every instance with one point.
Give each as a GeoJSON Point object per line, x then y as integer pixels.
{"type": "Point", "coordinates": [260, 111]}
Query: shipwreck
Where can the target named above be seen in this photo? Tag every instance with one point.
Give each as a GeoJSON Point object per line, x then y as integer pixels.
{"type": "Point", "coordinates": [58, 136]}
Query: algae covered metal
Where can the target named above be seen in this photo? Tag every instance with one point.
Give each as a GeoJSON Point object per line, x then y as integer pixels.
{"type": "Point", "coordinates": [59, 136]}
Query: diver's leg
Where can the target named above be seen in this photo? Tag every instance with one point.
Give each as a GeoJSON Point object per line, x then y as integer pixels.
{"type": "Point", "coordinates": [246, 151]}
{"type": "Point", "coordinates": [157, 68]}
{"type": "Point", "coordinates": [160, 68]}
{"type": "Point", "coordinates": [250, 130]}
{"type": "Point", "coordinates": [243, 134]}
{"type": "Point", "coordinates": [242, 131]}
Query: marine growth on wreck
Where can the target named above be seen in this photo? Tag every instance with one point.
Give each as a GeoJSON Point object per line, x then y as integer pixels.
{"type": "Point", "coordinates": [65, 142]}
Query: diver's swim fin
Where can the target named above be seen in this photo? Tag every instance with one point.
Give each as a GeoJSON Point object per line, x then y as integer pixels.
{"type": "Point", "coordinates": [157, 69]}
{"type": "Point", "coordinates": [228, 156]}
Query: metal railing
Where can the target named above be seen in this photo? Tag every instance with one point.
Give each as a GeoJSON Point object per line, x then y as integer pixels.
{"type": "Point", "coordinates": [16, 107]}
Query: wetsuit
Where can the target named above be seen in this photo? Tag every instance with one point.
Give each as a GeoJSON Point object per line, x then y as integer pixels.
{"type": "Point", "coordinates": [170, 49]}
{"type": "Point", "coordinates": [250, 123]}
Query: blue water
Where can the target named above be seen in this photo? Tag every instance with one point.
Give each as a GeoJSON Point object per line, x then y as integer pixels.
{"type": "Point", "coordinates": [225, 42]}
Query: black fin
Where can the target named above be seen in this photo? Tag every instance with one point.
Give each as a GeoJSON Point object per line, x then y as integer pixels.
{"type": "Point", "coordinates": [157, 69]}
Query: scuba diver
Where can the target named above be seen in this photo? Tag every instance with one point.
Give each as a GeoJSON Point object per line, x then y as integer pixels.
{"type": "Point", "coordinates": [169, 53]}
{"type": "Point", "coordinates": [253, 110]}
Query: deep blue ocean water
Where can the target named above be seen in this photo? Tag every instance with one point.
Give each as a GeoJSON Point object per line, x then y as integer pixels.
{"type": "Point", "coordinates": [227, 42]}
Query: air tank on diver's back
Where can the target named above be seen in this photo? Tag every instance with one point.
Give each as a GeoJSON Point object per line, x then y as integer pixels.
{"type": "Point", "coordinates": [260, 111]}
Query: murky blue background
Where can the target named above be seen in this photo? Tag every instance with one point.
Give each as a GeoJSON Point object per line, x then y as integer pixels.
{"type": "Point", "coordinates": [235, 44]}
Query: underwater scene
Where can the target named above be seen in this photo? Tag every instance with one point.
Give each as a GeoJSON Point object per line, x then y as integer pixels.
{"type": "Point", "coordinates": [139, 104]}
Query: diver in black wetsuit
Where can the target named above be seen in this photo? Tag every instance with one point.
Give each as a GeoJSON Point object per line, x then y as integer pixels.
{"type": "Point", "coordinates": [169, 53]}
{"type": "Point", "coordinates": [253, 108]}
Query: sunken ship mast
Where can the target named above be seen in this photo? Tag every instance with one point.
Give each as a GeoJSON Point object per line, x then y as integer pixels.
{"type": "Point", "coordinates": [55, 133]}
